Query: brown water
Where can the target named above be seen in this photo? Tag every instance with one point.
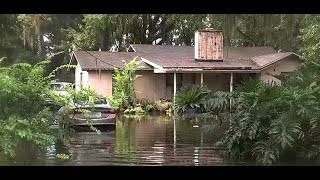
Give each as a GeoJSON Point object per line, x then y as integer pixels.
{"type": "Point", "coordinates": [149, 140]}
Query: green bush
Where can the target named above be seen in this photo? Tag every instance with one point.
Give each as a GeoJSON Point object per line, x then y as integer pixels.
{"type": "Point", "coordinates": [146, 105]}
{"type": "Point", "coordinates": [150, 108]}
{"type": "Point", "coordinates": [23, 116]}
{"type": "Point", "coordinates": [271, 123]}
{"type": "Point", "coordinates": [123, 84]}
{"type": "Point", "coordinates": [189, 97]}
{"type": "Point", "coordinates": [137, 110]}
{"type": "Point", "coordinates": [163, 105]}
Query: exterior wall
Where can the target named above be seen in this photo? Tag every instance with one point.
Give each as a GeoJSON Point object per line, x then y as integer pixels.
{"type": "Point", "coordinates": [286, 65]}
{"type": "Point", "coordinates": [81, 78]}
{"type": "Point", "coordinates": [189, 78]}
{"type": "Point", "coordinates": [77, 77]}
{"type": "Point", "coordinates": [101, 82]}
{"type": "Point", "coordinates": [217, 81]}
{"type": "Point", "coordinates": [150, 86]}
{"type": "Point", "coordinates": [153, 86]}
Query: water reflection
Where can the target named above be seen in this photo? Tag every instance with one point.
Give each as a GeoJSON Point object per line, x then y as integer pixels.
{"type": "Point", "coordinates": [147, 140]}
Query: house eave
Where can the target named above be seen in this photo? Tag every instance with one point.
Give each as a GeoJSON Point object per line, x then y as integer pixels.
{"type": "Point", "coordinates": [200, 70]}
{"type": "Point", "coordinates": [151, 63]}
{"type": "Point", "coordinates": [108, 69]}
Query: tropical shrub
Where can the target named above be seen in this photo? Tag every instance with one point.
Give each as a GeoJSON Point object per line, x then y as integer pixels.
{"type": "Point", "coordinates": [163, 105]}
{"type": "Point", "coordinates": [146, 105]}
{"type": "Point", "coordinates": [116, 103]}
{"type": "Point", "coordinates": [136, 110]}
{"type": "Point", "coordinates": [272, 123]}
{"type": "Point", "coordinates": [123, 84]}
{"type": "Point", "coordinates": [190, 97]}
{"type": "Point", "coordinates": [23, 116]}
{"type": "Point", "coordinates": [150, 108]}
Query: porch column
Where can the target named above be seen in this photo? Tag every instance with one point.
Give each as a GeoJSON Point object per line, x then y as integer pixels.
{"type": "Point", "coordinates": [201, 80]}
{"type": "Point", "coordinates": [231, 82]}
{"type": "Point", "coordinates": [174, 136]}
{"type": "Point", "coordinates": [231, 89]}
{"type": "Point", "coordinates": [174, 87]}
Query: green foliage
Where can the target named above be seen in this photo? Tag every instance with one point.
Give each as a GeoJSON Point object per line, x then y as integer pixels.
{"type": "Point", "coordinates": [190, 97]}
{"type": "Point", "coordinates": [310, 35]}
{"type": "Point", "coordinates": [150, 108]}
{"type": "Point", "coordinates": [136, 110]}
{"type": "Point", "coordinates": [63, 156]}
{"type": "Point", "coordinates": [163, 105]}
{"type": "Point", "coordinates": [139, 110]}
{"type": "Point", "coordinates": [116, 103]}
{"type": "Point", "coordinates": [100, 31]}
{"type": "Point", "coordinates": [123, 84]}
{"type": "Point", "coordinates": [23, 116]}
{"type": "Point", "coordinates": [268, 122]}
{"type": "Point", "coordinates": [146, 105]}
{"type": "Point", "coordinates": [22, 36]}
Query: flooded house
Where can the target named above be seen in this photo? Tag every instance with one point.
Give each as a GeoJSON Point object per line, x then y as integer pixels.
{"type": "Point", "coordinates": [166, 68]}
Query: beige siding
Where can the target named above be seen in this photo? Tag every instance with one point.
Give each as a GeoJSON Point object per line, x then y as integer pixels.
{"type": "Point", "coordinates": [150, 86]}
{"type": "Point", "coordinates": [288, 64]}
{"type": "Point", "coordinates": [101, 82]}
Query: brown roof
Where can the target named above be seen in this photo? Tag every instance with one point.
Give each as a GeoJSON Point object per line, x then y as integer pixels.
{"type": "Point", "coordinates": [107, 60]}
{"type": "Point", "coordinates": [180, 57]}
{"type": "Point", "coordinates": [266, 60]}
{"type": "Point", "coordinates": [169, 56]}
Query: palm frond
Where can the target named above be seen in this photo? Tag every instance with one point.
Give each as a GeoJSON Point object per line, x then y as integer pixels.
{"type": "Point", "coordinates": [191, 96]}
{"type": "Point", "coordinates": [266, 152]}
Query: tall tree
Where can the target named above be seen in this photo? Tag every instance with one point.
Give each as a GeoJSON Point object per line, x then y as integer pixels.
{"type": "Point", "coordinates": [311, 37]}
{"type": "Point", "coordinates": [33, 30]}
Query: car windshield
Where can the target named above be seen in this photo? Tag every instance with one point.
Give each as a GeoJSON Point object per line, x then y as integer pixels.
{"type": "Point", "coordinates": [101, 101]}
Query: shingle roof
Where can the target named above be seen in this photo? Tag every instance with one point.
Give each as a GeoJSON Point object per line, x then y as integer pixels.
{"type": "Point", "coordinates": [179, 57]}
{"type": "Point", "coordinates": [169, 56]}
{"type": "Point", "coordinates": [266, 60]}
{"type": "Point", "coordinates": [107, 60]}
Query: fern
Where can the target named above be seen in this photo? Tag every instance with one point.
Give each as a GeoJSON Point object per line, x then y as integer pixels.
{"type": "Point", "coordinates": [191, 96]}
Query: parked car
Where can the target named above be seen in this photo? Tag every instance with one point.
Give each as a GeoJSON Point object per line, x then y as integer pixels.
{"type": "Point", "coordinates": [60, 87]}
{"type": "Point", "coordinates": [101, 113]}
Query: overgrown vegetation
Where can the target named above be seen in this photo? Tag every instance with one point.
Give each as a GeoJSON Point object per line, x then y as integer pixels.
{"type": "Point", "coordinates": [24, 114]}
{"type": "Point", "coordinates": [124, 98]}
{"type": "Point", "coordinates": [268, 122]}
{"type": "Point", "coordinates": [272, 123]}
{"type": "Point", "coordinates": [123, 85]}
{"type": "Point", "coordinates": [190, 97]}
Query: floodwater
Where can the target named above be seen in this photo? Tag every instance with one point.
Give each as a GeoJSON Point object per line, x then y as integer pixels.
{"type": "Point", "coordinates": [147, 140]}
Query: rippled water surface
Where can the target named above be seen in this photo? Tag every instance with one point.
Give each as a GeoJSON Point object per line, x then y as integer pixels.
{"type": "Point", "coordinates": [150, 140]}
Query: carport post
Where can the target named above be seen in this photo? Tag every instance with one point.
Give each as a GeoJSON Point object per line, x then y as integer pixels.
{"type": "Point", "coordinates": [231, 89]}
{"type": "Point", "coordinates": [201, 80]}
{"type": "Point", "coordinates": [231, 82]}
{"type": "Point", "coordinates": [174, 87]}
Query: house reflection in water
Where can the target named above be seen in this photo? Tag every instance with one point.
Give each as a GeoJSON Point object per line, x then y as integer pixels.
{"type": "Point", "coordinates": [148, 140]}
